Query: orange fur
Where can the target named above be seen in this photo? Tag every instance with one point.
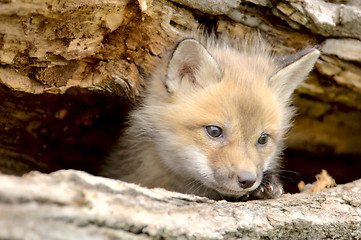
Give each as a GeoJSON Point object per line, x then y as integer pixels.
{"type": "Point", "coordinates": [239, 87]}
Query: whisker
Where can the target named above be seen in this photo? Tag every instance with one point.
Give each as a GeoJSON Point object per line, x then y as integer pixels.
{"type": "Point", "coordinates": [191, 182]}
{"type": "Point", "coordinates": [289, 171]}
{"type": "Point", "coordinates": [193, 186]}
{"type": "Point", "coordinates": [196, 190]}
{"type": "Point", "coordinates": [288, 178]}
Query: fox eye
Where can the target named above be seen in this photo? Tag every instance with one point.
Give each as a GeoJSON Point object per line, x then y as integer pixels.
{"type": "Point", "coordinates": [214, 131]}
{"type": "Point", "coordinates": [263, 139]}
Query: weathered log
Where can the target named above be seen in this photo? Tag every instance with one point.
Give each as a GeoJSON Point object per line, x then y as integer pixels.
{"type": "Point", "coordinates": [75, 205]}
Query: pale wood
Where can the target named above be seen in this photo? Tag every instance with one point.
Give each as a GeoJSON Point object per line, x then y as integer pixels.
{"type": "Point", "coordinates": [75, 205]}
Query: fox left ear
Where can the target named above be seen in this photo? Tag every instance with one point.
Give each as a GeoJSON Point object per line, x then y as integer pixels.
{"type": "Point", "coordinates": [286, 80]}
{"type": "Point", "coordinates": [191, 65]}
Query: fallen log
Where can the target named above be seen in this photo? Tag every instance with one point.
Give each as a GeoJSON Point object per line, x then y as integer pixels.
{"type": "Point", "coordinates": [71, 204]}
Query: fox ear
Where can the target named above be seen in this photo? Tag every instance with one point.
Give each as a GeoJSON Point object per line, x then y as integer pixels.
{"type": "Point", "coordinates": [286, 80]}
{"type": "Point", "coordinates": [191, 65]}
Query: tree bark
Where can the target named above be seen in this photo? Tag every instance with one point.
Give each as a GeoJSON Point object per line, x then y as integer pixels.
{"type": "Point", "coordinates": [71, 204]}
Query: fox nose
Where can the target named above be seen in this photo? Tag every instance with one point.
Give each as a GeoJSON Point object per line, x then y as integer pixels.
{"type": "Point", "coordinates": [246, 179]}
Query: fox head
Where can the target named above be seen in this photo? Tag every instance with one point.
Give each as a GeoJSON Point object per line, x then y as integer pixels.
{"type": "Point", "coordinates": [219, 113]}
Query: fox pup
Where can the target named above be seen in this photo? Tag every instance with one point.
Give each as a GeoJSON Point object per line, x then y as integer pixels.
{"type": "Point", "coordinates": [212, 120]}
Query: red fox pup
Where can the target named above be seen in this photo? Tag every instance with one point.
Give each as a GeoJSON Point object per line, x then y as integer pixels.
{"type": "Point", "coordinates": [212, 120]}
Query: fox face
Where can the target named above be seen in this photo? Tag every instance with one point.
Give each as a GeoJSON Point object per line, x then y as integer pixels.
{"type": "Point", "coordinates": [218, 115]}
{"type": "Point", "coordinates": [222, 137]}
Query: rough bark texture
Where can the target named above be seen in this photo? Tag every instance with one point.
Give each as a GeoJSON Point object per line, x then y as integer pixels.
{"type": "Point", "coordinates": [76, 205]}
{"type": "Point", "coordinates": [70, 71]}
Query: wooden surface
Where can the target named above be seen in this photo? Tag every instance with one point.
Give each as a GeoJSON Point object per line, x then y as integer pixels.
{"type": "Point", "coordinates": [76, 205]}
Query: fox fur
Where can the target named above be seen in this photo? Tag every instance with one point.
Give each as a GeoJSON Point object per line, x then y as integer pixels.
{"type": "Point", "coordinates": [212, 120]}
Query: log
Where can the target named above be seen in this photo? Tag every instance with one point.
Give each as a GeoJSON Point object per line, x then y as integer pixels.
{"type": "Point", "coordinates": [71, 204]}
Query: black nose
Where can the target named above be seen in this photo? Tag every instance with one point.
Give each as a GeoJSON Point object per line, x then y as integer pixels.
{"type": "Point", "coordinates": [246, 179]}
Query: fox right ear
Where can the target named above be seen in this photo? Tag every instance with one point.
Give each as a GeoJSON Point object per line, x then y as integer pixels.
{"type": "Point", "coordinates": [286, 80]}
{"type": "Point", "coordinates": [191, 65]}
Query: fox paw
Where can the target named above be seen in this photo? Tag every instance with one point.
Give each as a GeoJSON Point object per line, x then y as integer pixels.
{"type": "Point", "coordinates": [271, 187]}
